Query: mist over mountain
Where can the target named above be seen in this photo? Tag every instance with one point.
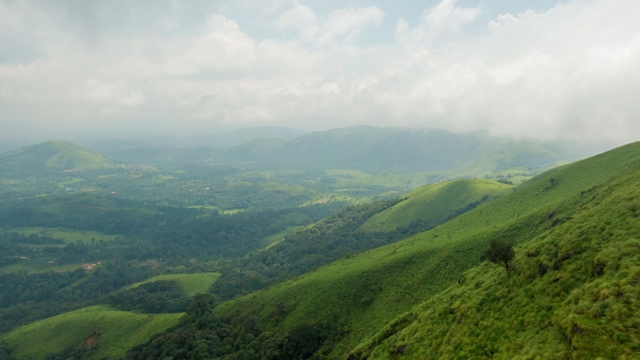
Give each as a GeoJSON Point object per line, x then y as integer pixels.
{"type": "Point", "coordinates": [362, 147]}
{"type": "Point", "coordinates": [324, 180]}
{"type": "Point", "coordinates": [211, 141]}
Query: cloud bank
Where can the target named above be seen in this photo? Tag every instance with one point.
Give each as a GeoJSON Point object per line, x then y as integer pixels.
{"type": "Point", "coordinates": [571, 72]}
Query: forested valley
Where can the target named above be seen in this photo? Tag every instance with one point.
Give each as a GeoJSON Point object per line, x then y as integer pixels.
{"type": "Point", "coordinates": [175, 235]}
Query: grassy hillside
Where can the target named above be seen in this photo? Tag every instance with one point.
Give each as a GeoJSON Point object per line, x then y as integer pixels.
{"type": "Point", "coordinates": [573, 292]}
{"type": "Point", "coordinates": [118, 331]}
{"type": "Point", "coordinates": [359, 295]}
{"type": "Point", "coordinates": [52, 155]}
{"type": "Point", "coordinates": [437, 203]}
{"type": "Point", "coordinates": [191, 284]}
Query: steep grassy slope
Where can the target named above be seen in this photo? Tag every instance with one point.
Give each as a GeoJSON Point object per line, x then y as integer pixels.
{"type": "Point", "coordinates": [437, 203]}
{"type": "Point", "coordinates": [191, 284]}
{"type": "Point", "coordinates": [572, 294]}
{"type": "Point", "coordinates": [360, 294]}
{"type": "Point", "coordinates": [52, 155]}
{"type": "Point", "coordinates": [119, 331]}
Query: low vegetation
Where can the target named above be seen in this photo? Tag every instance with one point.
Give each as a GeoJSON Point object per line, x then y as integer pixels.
{"type": "Point", "coordinates": [358, 298]}
{"type": "Point", "coordinates": [99, 260]}
{"type": "Point", "coordinates": [572, 293]}
{"type": "Point", "coordinates": [114, 332]}
{"type": "Point", "coordinates": [190, 284]}
{"type": "Point", "coordinates": [435, 204]}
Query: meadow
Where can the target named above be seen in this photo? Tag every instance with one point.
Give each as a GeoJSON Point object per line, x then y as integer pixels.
{"type": "Point", "coordinates": [118, 331]}
{"type": "Point", "coordinates": [191, 284]}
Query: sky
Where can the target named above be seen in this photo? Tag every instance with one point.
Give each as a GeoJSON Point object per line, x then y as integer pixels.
{"type": "Point", "coordinates": [567, 70]}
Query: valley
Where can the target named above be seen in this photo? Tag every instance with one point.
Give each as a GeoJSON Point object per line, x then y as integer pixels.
{"type": "Point", "coordinates": [244, 252]}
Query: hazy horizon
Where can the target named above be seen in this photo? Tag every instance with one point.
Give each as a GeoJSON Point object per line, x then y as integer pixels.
{"type": "Point", "coordinates": [549, 70]}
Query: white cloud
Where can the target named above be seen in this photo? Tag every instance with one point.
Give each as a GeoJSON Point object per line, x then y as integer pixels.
{"type": "Point", "coordinates": [568, 72]}
{"type": "Point", "coordinates": [300, 18]}
{"type": "Point", "coordinates": [438, 23]}
{"type": "Point", "coordinates": [348, 23]}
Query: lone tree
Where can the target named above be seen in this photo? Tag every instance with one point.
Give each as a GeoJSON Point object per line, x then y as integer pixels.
{"type": "Point", "coordinates": [501, 253]}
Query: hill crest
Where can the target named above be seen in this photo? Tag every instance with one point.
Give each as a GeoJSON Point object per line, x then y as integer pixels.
{"type": "Point", "coordinates": [53, 156]}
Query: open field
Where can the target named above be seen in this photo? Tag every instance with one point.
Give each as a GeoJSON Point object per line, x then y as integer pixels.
{"type": "Point", "coordinates": [39, 267]}
{"type": "Point", "coordinates": [68, 235]}
{"type": "Point", "coordinates": [118, 331]}
{"type": "Point", "coordinates": [191, 284]}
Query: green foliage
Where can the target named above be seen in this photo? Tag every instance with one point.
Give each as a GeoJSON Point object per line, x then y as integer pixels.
{"type": "Point", "coordinates": [25, 298]}
{"type": "Point", "coordinates": [307, 249]}
{"type": "Point", "coordinates": [572, 294]}
{"type": "Point", "coordinates": [160, 296]}
{"type": "Point", "coordinates": [362, 293]}
{"type": "Point", "coordinates": [190, 284]}
{"type": "Point", "coordinates": [501, 253]}
{"type": "Point", "coordinates": [436, 203]}
{"type": "Point", "coordinates": [65, 235]}
{"type": "Point", "coordinates": [5, 351]}
{"type": "Point", "coordinates": [118, 331]}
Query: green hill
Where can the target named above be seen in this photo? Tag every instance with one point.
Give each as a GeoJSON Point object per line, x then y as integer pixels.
{"type": "Point", "coordinates": [437, 203]}
{"type": "Point", "coordinates": [572, 294]}
{"type": "Point", "coordinates": [581, 214]}
{"type": "Point", "coordinates": [115, 332]}
{"type": "Point", "coordinates": [191, 284]}
{"type": "Point", "coordinates": [52, 156]}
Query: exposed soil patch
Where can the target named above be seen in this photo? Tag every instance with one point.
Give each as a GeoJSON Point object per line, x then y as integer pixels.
{"type": "Point", "coordinates": [91, 340]}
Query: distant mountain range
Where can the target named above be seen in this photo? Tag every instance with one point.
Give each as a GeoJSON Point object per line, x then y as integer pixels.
{"type": "Point", "coordinates": [365, 148]}
{"type": "Point", "coordinates": [209, 141]}
{"type": "Point", "coordinates": [374, 149]}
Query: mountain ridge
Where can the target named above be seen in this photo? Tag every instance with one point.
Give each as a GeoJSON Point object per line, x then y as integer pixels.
{"type": "Point", "coordinates": [53, 156]}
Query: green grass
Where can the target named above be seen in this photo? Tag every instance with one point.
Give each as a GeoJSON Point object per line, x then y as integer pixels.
{"type": "Point", "coordinates": [573, 292]}
{"type": "Point", "coordinates": [119, 331]}
{"type": "Point", "coordinates": [436, 203]}
{"type": "Point", "coordinates": [191, 284]}
{"type": "Point", "coordinates": [39, 267]}
{"type": "Point", "coordinates": [68, 235]}
{"type": "Point", "coordinates": [363, 293]}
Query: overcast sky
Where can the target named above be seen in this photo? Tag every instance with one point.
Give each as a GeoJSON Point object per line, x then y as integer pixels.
{"type": "Point", "coordinates": [538, 68]}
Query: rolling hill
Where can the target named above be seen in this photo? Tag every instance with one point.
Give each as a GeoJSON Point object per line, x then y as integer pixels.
{"type": "Point", "coordinates": [437, 203]}
{"type": "Point", "coordinates": [437, 154]}
{"type": "Point", "coordinates": [574, 286]}
{"type": "Point", "coordinates": [209, 141]}
{"type": "Point", "coordinates": [52, 156]}
{"type": "Point", "coordinates": [110, 330]}
{"type": "Point", "coordinates": [191, 284]}
{"type": "Point", "coordinates": [399, 150]}
{"type": "Point", "coordinates": [113, 331]}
